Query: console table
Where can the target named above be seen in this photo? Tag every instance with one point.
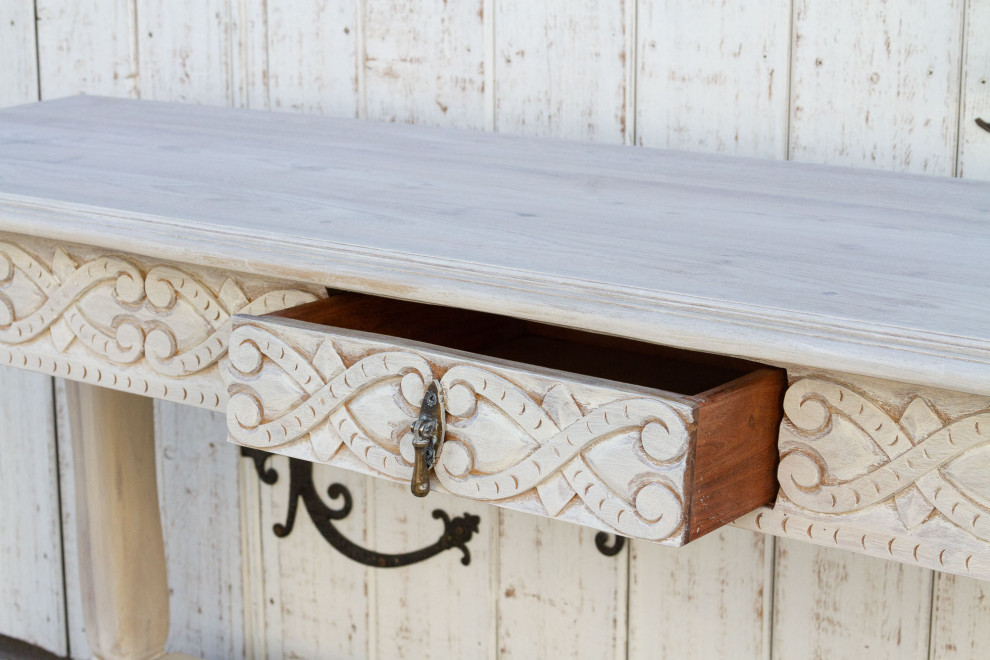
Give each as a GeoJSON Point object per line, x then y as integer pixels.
{"type": "Point", "coordinates": [646, 342]}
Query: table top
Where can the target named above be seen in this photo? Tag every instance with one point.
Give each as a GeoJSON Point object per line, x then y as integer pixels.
{"type": "Point", "coordinates": [849, 270]}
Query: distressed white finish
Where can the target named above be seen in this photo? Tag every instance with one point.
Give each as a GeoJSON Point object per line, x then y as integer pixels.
{"type": "Point", "coordinates": [675, 596]}
{"type": "Point", "coordinates": [713, 76]}
{"type": "Point", "coordinates": [424, 61]}
{"type": "Point", "coordinates": [826, 147]}
{"type": "Point", "coordinates": [31, 589]}
{"type": "Point", "coordinates": [974, 142]}
{"type": "Point", "coordinates": [848, 606]}
{"type": "Point", "coordinates": [539, 92]}
{"type": "Point", "coordinates": [19, 73]}
{"type": "Point", "coordinates": [128, 323]}
{"type": "Point", "coordinates": [198, 494]}
{"type": "Point", "coordinates": [717, 254]}
{"type": "Point", "coordinates": [890, 470]}
{"type": "Point", "coordinates": [897, 66]}
{"type": "Point", "coordinates": [311, 59]}
{"type": "Point", "coordinates": [121, 552]}
{"type": "Point", "coordinates": [87, 46]}
{"type": "Point", "coordinates": [579, 449]}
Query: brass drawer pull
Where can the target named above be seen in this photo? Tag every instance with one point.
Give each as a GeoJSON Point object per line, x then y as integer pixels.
{"type": "Point", "coordinates": [428, 431]}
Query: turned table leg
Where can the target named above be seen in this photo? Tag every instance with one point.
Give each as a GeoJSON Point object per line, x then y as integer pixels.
{"type": "Point", "coordinates": [121, 551]}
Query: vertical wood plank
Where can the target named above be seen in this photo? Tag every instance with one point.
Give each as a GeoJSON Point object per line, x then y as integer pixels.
{"type": "Point", "coordinates": [437, 608]}
{"type": "Point", "coordinates": [424, 62]}
{"type": "Point", "coordinates": [186, 51]}
{"type": "Point", "coordinates": [877, 84]}
{"type": "Point", "coordinates": [32, 606]}
{"type": "Point", "coordinates": [842, 605]}
{"type": "Point", "coordinates": [31, 587]}
{"type": "Point", "coordinates": [960, 614]}
{"type": "Point", "coordinates": [713, 76]}
{"type": "Point", "coordinates": [316, 601]}
{"type": "Point", "coordinates": [75, 624]}
{"type": "Point", "coordinates": [559, 597]}
{"type": "Point", "coordinates": [312, 58]}
{"type": "Point", "coordinates": [198, 494]}
{"type": "Point", "coordinates": [87, 47]}
{"type": "Point", "coordinates": [961, 606]}
{"type": "Point", "coordinates": [19, 68]}
{"type": "Point", "coordinates": [974, 141]}
{"type": "Point", "coordinates": [705, 601]}
{"type": "Point", "coordinates": [561, 68]}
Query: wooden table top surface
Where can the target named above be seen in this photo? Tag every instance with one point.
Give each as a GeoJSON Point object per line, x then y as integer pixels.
{"type": "Point", "coordinates": [849, 270]}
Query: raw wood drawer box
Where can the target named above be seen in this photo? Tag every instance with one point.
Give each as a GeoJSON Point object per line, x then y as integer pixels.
{"type": "Point", "coordinates": [615, 434]}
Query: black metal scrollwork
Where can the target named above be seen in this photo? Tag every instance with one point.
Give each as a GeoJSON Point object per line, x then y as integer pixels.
{"type": "Point", "coordinates": [601, 542]}
{"type": "Point", "coordinates": [456, 531]}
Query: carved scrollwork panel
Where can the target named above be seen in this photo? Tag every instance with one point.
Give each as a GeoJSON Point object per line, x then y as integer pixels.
{"type": "Point", "coordinates": [126, 321]}
{"type": "Point", "coordinates": [583, 452]}
{"type": "Point", "coordinates": [878, 461]}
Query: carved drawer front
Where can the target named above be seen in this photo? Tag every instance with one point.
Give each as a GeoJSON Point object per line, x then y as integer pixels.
{"type": "Point", "coordinates": [622, 436]}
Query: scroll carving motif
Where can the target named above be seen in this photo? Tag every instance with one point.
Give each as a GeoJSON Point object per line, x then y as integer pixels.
{"type": "Point", "coordinates": [346, 402]}
{"type": "Point", "coordinates": [899, 474]}
{"type": "Point", "coordinates": [125, 321]}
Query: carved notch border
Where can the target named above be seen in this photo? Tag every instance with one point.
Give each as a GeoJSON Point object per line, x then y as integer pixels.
{"type": "Point", "coordinates": [127, 322]}
{"type": "Point", "coordinates": [885, 469]}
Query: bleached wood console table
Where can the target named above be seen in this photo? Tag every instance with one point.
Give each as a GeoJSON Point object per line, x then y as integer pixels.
{"type": "Point", "coordinates": [646, 342]}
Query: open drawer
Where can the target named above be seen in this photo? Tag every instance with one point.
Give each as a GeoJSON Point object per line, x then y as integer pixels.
{"type": "Point", "coordinates": [624, 436]}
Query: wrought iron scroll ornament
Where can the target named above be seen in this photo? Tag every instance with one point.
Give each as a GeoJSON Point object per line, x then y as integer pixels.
{"type": "Point", "coordinates": [456, 531]}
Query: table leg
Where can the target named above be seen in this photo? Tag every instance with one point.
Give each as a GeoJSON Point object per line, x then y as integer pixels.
{"type": "Point", "coordinates": [121, 551]}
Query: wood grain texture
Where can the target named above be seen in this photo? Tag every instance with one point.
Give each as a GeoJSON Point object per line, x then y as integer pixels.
{"type": "Point", "coordinates": [897, 67]}
{"type": "Point", "coordinates": [974, 141]}
{"type": "Point", "coordinates": [31, 587]}
{"type": "Point", "coordinates": [316, 602]}
{"type": "Point", "coordinates": [459, 600]}
{"type": "Point", "coordinates": [75, 623]}
{"type": "Point", "coordinates": [713, 76]}
{"type": "Point", "coordinates": [311, 51]}
{"type": "Point", "coordinates": [155, 329]}
{"type": "Point", "coordinates": [424, 62]}
{"type": "Point", "coordinates": [559, 597]}
{"type": "Point", "coordinates": [904, 464]}
{"type": "Point", "coordinates": [718, 255]}
{"type": "Point", "coordinates": [676, 595]}
{"type": "Point", "coordinates": [198, 496]}
{"type": "Point", "coordinates": [736, 452]}
{"type": "Point", "coordinates": [610, 455]}
{"type": "Point", "coordinates": [87, 47]}
{"type": "Point", "coordinates": [539, 88]}
{"type": "Point", "coordinates": [119, 535]}
{"type": "Point", "coordinates": [186, 51]}
{"type": "Point", "coordinates": [19, 74]}
{"type": "Point", "coordinates": [960, 610]}
{"type": "Point", "coordinates": [826, 606]}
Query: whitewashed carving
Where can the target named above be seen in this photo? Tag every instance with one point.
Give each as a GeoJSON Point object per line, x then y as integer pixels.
{"type": "Point", "coordinates": [901, 473]}
{"type": "Point", "coordinates": [125, 321]}
{"type": "Point", "coordinates": [606, 458]}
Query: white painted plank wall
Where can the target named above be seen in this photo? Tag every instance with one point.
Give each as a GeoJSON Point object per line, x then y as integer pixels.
{"type": "Point", "coordinates": [32, 592]}
{"type": "Point", "coordinates": [961, 606]}
{"type": "Point", "coordinates": [704, 77]}
{"type": "Point", "coordinates": [875, 85]}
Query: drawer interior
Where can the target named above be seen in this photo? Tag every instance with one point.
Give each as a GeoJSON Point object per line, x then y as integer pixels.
{"type": "Point", "coordinates": [493, 335]}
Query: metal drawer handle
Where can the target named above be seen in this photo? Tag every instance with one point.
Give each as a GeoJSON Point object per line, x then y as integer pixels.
{"type": "Point", "coordinates": [428, 431]}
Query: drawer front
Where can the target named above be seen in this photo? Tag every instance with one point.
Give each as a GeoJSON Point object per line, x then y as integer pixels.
{"type": "Point", "coordinates": [602, 454]}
